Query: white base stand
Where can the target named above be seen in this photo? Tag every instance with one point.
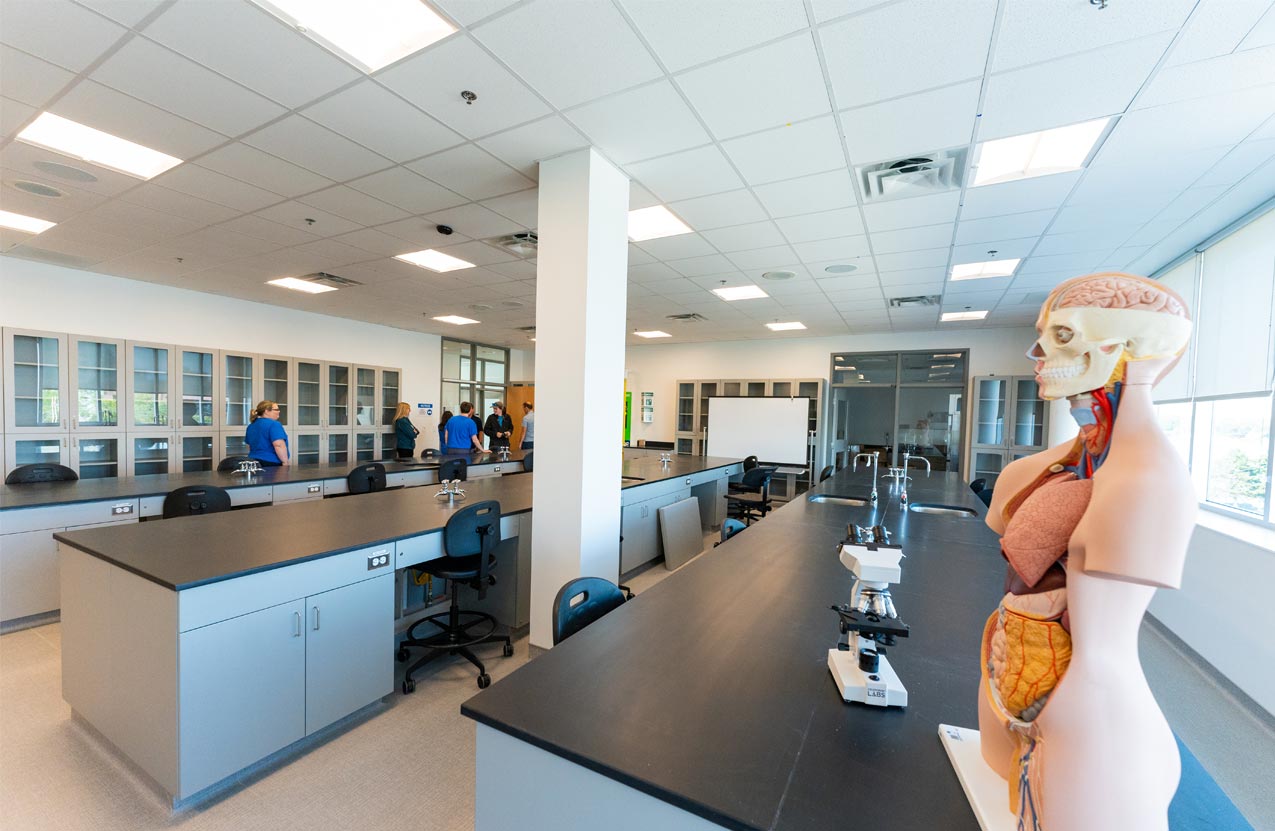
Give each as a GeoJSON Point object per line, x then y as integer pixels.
{"type": "Point", "coordinates": [987, 792]}
{"type": "Point", "coordinates": [856, 685]}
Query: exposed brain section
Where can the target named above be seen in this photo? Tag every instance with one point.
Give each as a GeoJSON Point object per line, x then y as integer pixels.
{"type": "Point", "coordinates": [1110, 291]}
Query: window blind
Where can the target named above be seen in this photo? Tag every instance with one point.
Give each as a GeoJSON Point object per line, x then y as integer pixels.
{"type": "Point", "coordinates": [1177, 384]}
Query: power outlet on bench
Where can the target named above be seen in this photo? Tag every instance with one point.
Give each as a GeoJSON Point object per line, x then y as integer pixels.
{"type": "Point", "coordinates": [380, 559]}
{"type": "Point", "coordinates": [121, 510]}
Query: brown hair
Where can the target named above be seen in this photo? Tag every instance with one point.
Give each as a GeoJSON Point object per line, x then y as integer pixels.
{"type": "Point", "coordinates": [466, 407]}
{"type": "Point", "coordinates": [404, 409]}
{"type": "Point", "coordinates": [262, 408]}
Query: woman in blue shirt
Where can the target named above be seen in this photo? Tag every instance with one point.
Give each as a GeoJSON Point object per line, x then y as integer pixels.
{"type": "Point", "coordinates": [266, 439]}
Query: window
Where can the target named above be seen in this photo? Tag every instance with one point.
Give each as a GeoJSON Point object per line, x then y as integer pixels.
{"type": "Point", "coordinates": [475, 373]}
{"type": "Point", "coordinates": [1233, 439]}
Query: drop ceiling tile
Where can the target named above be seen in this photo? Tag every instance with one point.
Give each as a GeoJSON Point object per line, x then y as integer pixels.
{"type": "Point", "coordinates": [30, 80]}
{"type": "Point", "coordinates": [912, 259]}
{"type": "Point", "coordinates": [1010, 226]}
{"type": "Point", "coordinates": [22, 159]}
{"type": "Point", "coordinates": [265, 229]}
{"type": "Point", "coordinates": [787, 152]}
{"type": "Point", "coordinates": [336, 253]}
{"type": "Point", "coordinates": [809, 194]}
{"type": "Point", "coordinates": [518, 269]}
{"type": "Point", "coordinates": [419, 234]}
{"type": "Point", "coordinates": [719, 210]}
{"type": "Point", "coordinates": [1046, 95]}
{"type": "Point", "coordinates": [472, 172]}
{"type": "Point", "coordinates": [1222, 119]}
{"type": "Point", "coordinates": [1242, 70]}
{"type": "Point", "coordinates": [433, 79]}
{"type": "Point", "coordinates": [521, 207]}
{"type": "Point", "coordinates": [772, 85]}
{"type": "Point", "coordinates": [638, 257]}
{"type": "Point", "coordinates": [640, 197]}
{"type": "Point", "coordinates": [922, 123]}
{"type": "Point", "coordinates": [842, 249]}
{"type": "Point", "coordinates": [125, 12]}
{"type": "Point", "coordinates": [14, 115]}
{"type": "Point", "coordinates": [370, 239]}
{"type": "Point", "coordinates": [179, 204]}
{"type": "Point", "coordinates": [700, 266]}
{"type": "Point", "coordinates": [865, 63]}
{"type": "Point", "coordinates": [1034, 32]}
{"type": "Point", "coordinates": [305, 143]}
{"type": "Point", "coordinates": [974, 299]}
{"type": "Point", "coordinates": [1073, 263]}
{"type": "Point", "coordinates": [914, 276]}
{"type": "Point", "coordinates": [677, 248]}
{"type": "Point", "coordinates": [295, 214]}
{"type": "Point", "coordinates": [208, 184]}
{"type": "Point", "coordinates": [769, 257]}
{"type": "Point", "coordinates": [523, 147]}
{"type": "Point", "coordinates": [1040, 193]}
{"type": "Point", "coordinates": [1091, 240]}
{"type": "Point", "coordinates": [687, 174]}
{"type": "Point", "coordinates": [468, 12]}
{"type": "Point", "coordinates": [249, 164]}
{"type": "Point", "coordinates": [478, 253]}
{"type": "Point", "coordinates": [155, 75]}
{"type": "Point", "coordinates": [743, 237]}
{"type": "Point", "coordinates": [959, 289]}
{"type": "Point", "coordinates": [913, 212]}
{"type": "Point", "coordinates": [126, 117]}
{"type": "Point", "coordinates": [1005, 249]}
{"type": "Point", "coordinates": [79, 240]}
{"type": "Point", "coordinates": [71, 202]}
{"type": "Point", "coordinates": [1120, 211]}
{"type": "Point", "coordinates": [407, 190]}
{"type": "Point", "coordinates": [652, 273]}
{"type": "Point", "coordinates": [58, 31]}
{"type": "Point", "coordinates": [1262, 34]}
{"type": "Point", "coordinates": [203, 31]}
{"type": "Point", "coordinates": [686, 34]}
{"type": "Point", "coordinates": [826, 225]}
{"type": "Point", "coordinates": [476, 222]}
{"type": "Point", "coordinates": [378, 119]}
{"type": "Point", "coordinates": [354, 205]}
{"type": "Point", "coordinates": [651, 120]}
{"type": "Point", "coordinates": [912, 239]}
{"type": "Point", "coordinates": [557, 46]}
{"type": "Point", "coordinates": [1238, 163]}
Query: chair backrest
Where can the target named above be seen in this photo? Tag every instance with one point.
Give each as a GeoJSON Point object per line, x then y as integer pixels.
{"type": "Point", "coordinates": [453, 469]}
{"type": "Point", "coordinates": [196, 499]}
{"type": "Point", "coordinates": [366, 478]}
{"type": "Point", "coordinates": [597, 598]}
{"type": "Point", "coordinates": [474, 531]}
{"type": "Point", "coordinates": [528, 460]}
{"type": "Point", "coordinates": [730, 528]}
{"type": "Point", "coordinates": [750, 462]}
{"type": "Point", "coordinates": [29, 474]}
{"type": "Point", "coordinates": [757, 479]}
{"type": "Point", "coordinates": [977, 485]}
{"type": "Point", "coordinates": [825, 473]}
{"type": "Point", "coordinates": [429, 453]}
{"type": "Point", "coordinates": [986, 496]}
{"type": "Point", "coordinates": [231, 463]}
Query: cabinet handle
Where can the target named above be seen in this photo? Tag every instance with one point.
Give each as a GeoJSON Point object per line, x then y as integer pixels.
{"type": "Point", "coordinates": [316, 618]}
{"type": "Point", "coordinates": [296, 624]}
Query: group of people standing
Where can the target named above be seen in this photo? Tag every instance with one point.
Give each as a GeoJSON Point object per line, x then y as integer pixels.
{"type": "Point", "coordinates": [268, 442]}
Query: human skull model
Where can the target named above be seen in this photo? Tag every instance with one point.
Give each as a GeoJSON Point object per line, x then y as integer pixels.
{"type": "Point", "coordinates": [1090, 326]}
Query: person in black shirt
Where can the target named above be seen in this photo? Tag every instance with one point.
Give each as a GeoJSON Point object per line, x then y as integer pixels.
{"type": "Point", "coordinates": [499, 427]}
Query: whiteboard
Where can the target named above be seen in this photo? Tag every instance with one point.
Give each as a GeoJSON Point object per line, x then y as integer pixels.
{"type": "Point", "coordinates": [772, 429]}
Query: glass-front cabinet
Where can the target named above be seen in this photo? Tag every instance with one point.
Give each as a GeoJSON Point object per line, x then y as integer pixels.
{"type": "Point", "coordinates": [198, 390]}
{"type": "Point", "coordinates": [389, 396]}
{"type": "Point", "coordinates": [31, 450]}
{"type": "Point", "coordinates": [35, 382]}
{"type": "Point", "coordinates": [149, 373]}
{"type": "Point", "coordinates": [238, 385]}
{"type": "Point", "coordinates": [694, 401]}
{"type": "Point", "coordinates": [151, 453]}
{"type": "Point", "coordinates": [275, 374]}
{"type": "Point", "coordinates": [96, 384]}
{"type": "Point", "coordinates": [97, 457]}
{"type": "Point", "coordinates": [365, 403]}
{"type": "Point", "coordinates": [365, 446]}
{"type": "Point", "coordinates": [310, 393]}
{"type": "Point", "coordinates": [307, 448]}
{"type": "Point", "coordinates": [338, 395]}
{"type": "Point", "coordinates": [1010, 421]}
{"type": "Point", "coordinates": [196, 453]}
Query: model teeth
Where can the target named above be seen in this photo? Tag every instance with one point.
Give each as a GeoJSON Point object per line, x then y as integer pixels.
{"type": "Point", "coordinates": [1062, 373]}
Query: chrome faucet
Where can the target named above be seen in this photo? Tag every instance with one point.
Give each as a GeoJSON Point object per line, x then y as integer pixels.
{"type": "Point", "coordinates": [854, 465]}
{"type": "Point", "coordinates": [451, 490]}
{"type": "Point", "coordinates": [907, 459]}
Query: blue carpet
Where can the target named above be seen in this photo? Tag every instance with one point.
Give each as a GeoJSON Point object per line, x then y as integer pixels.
{"type": "Point", "coordinates": [1199, 804]}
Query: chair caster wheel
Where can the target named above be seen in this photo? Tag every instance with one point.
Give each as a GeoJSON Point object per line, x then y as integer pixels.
{"type": "Point", "coordinates": [484, 681]}
{"type": "Point", "coordinates": [509, 650]}
{"type": "Point", "coordinates": [409, 686]}
{"type": "Point", "coordinates": [402, 655]}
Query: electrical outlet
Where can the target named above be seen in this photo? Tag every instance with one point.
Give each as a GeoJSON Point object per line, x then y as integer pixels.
{"type": "Point", "coordinates": [121, 510]}
{"type": "Point", "coordinates": [379, 559]}
{"type": "Point", "coordinates": [313, 488]}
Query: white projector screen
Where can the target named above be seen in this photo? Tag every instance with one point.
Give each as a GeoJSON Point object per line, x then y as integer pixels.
{"type": "Point", "coordinates": [772, 429]}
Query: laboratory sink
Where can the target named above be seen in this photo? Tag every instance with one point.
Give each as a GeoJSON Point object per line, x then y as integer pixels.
{"type": "Point", "coordinates": [944, 510]}
{"type": "Point", "coordinates": [833, 499]}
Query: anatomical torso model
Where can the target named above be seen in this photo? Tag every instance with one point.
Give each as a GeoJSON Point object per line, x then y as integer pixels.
{"type": "Point", "coordinates": [1090, 529]}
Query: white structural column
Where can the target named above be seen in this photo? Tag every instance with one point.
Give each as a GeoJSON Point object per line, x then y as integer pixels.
{"type": "Point", "coordinates": [581, 281]}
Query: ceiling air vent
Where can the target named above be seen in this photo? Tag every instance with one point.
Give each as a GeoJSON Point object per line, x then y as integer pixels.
{"type": "Point", "coordinates": [329, 279]}
{"type": "Point", "coordinates": [521, 245]}
{"type": "Point", "coordinates": [914, 302]}
{"type": "Point", "coordinates": [923, 173]}
{"type": "Point", "coordinates": [688, 317]}
{"type": "Point", "coordinates": [531, 330]}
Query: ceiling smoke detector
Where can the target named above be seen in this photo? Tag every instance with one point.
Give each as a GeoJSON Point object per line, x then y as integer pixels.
{"type": "Point", "coordinates": [917, 175]}
{"type": "Point", "coordinates": [524, 244]}
{"type": "Point", "coordinates": [779, 275]}
{"type": "Point", "coordinates": [916, 301]}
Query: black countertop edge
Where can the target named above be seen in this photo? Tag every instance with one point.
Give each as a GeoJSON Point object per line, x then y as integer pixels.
{"type": "Point", "coordinates": [194, 584]}
{"type": "Point", "coordinates": [650, 789]}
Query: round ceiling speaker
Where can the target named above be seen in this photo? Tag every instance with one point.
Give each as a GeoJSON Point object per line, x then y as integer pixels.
{"type": "Point", "coordinates": [64, 171]}
{"type": "Point", "coordinates": [841, 269]}
{"type": "Point", "coordinates": [480, 307]}
{"type": "Point", "coordinates": [37, 189]}
{"type": "Point", "coordinates": [779, 275]}
{"type": "Point", "coordinates": [511, 304]}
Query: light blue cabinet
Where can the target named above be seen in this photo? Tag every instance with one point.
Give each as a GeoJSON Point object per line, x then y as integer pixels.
{"type": "Point", "coordinates": [344, 668]}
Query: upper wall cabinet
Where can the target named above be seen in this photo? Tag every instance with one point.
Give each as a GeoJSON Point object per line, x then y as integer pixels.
{"type": "Point", "coordinates": [196, 371]}
{"type": "Point", "coordinates": [97, 384]}
{"type": "Point", "coordinates": [390, 390]}
{"type": "Point", "coordinates": [240, 388]}
{"type": "Point", "coordinates": [150, 382]}
{"type": "Point", "coordinates": [35, 382]}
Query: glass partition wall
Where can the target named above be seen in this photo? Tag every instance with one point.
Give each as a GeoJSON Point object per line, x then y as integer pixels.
{"type": "Point", "coordinates": [475, 373]}
{"type": "Point", "coordinates": [891, 402]}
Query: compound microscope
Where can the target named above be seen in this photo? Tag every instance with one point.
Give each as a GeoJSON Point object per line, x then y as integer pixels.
{"type": "Point", "coordinates": [869, 622]}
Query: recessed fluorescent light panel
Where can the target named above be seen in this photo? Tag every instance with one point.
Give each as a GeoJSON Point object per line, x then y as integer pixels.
{"type": "Point", "coordinates": [785, 327]}
{"type": "Point", "coordinates": [61, 135]}
{"type": "Point", "coordinates": [434, 260]}
{"type": "Point", "coordinates": [27, 224]}
{"type": "Point", "coordinates": [979, 271]}
{"type": "Point", "coordinates": [655, 222]}
{"type": "Point", "coordinates": [456, 319]}
{"type": "Point", "coordinates": [733, 293]}
{"type": "Point", "coordinates": [1059, 150]}
{"type": "Point", "coordinates": [947, 316]}
{"type": "Point", "coordinates": [369, 34]}
{"type": "Point", "coordinates": [654, 333]}
{"type": "Point", "coordinates": [297, 284]}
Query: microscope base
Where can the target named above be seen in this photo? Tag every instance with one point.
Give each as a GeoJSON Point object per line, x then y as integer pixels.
{"type": "Point", "coordinates": [856, 685]}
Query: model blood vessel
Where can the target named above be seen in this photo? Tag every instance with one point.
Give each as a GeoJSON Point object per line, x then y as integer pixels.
{"type": "Point", "coordinates": [1090, 530]}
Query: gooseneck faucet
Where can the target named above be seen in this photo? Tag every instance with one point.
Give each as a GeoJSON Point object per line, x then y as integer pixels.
{"type": "Point", "coordinates": [907, 459]}
{"type": "Point", "coordinates": [854, 465]}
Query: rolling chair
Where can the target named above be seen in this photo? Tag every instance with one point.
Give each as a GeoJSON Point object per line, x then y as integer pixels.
{"type": "Point", "coordinates": [730, 528]}
{"type": "Point", "coordinates": [194, 500]}
{"type": "Point", "coordinates": [826, 473]}
{"type": "Point", "coordinates": [528, 461]}
{"type": "Point", "coordinates": [469, 538]}
{"type": "Point", "coordinates": [751, 500]}
{"type": "Point", "coordinates": [453, 469]}
{"type": "Point", "coordinates": [367, 478]}
{"type": "Point", "coordinates": [429, 453]}
{"type": "Point", "coordinates": [750, 462]}
{"type": "Point", "coordinates": [597, 598]}
{"type": "Point", "coordinates": [231, 462]}
{"type": "Point", "coordinates": [32, 473]}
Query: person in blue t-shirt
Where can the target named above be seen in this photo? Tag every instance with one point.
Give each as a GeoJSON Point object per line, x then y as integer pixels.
{"type": "Point", "coordinates": [462, 433]}
{"type": "Point", "coordinates": [266, 439]}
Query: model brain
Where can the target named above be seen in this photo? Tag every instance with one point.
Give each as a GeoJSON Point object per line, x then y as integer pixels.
{"type": "Point", "coordinates": [1113, 291]}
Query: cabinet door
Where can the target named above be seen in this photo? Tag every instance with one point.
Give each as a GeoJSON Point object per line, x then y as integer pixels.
{"type": "Point", "coordinates": [28, 573]}
{"type": "Point", "coordinates": [276, 374]}
{"type": "Point", "coordinates": [98, 457]}
{"type": "Point", "coordinates": [241, 691]}
{"type": "Point", "coordinates": [1031, 414]}
{"type": "Point", "coordinates": [338, 390]}
{"type": "Point", "coordinates": [150, 453]}
{"type": "Point", "coordinates": [310, 387]}
{"type": "Point", "coordinates": [35, 385]}
{"type": "Point", "coordinates": [349, 649]}
{"type": "Point", "coordinates": [97, 384]}
{"type": "Point", "coordinates": [389, 396]}
{"type": "Point", "coordinates": [195, 453]}
{"type": "Point", "coordinates": [196, 370]}
{"type": "Point", "coordinates": [365, 396]}
{"type": "Point", "coordinates": [307, 448]}
{"type": "Point", "coordinates": [150, 374]}
{"type": "Point", "coordinates": [232, 444]}
{"type": "Point", "coordinates": [365, 446]}
{"type": "Point", "coordinates": [988, 464]}
{"type": "Point", "coordinates": [338, 448]}
{"type": "Point", "coordinates": [30, 450]}
{"type": "Point", "coordinates": [991, 400]}
{"type": "Point", "coordinates": [239, 389]}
